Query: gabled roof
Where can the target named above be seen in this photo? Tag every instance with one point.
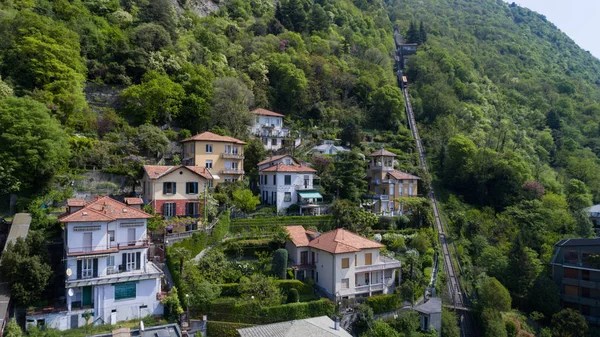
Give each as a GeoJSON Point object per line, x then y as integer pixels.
{"type": "Point", "coordinates": [75, 202]}
{"type": "Point", "coordinates": [265, 112]}
{"type": "Point", "coordinates": [298, 235]}
{"type": "Point", "coordinates": [593, 209]}
{"type": "Point", "coordinates": [134, 201]}
{"type": "Point", "coordinates": [321, 326]}
{"type": "Point", "coordinates": [213, 137]}
{"type": "Point", "coordinates": [157, 171]}
{"type": "Point", "coordinates": [432, 306]}
{"type": "Point", "coordinates": [274, 158]}
{"type": "Point", "coordinates": [342, 241]}
{"type": "Point", "coordinates": [399, 175]}
{"type": "Point", "coordinates": [104, 209]}
{"type": "Point", "coordinates": [281, 167]}
{"type": "Point", "coordinates": [382, 153]}
{"type": "Point", "coordinates": [578, 242]}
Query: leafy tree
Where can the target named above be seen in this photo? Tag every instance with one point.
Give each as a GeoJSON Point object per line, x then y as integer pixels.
{"type": "Point", "coordinates": [5, 90]}
{"type": "Point", "coordinates": [348, 172]}
{"type": "Point", "coordinates": [364, 318]}
{"type": "Point", "coordinates": [152, 140]}
{"type": "Point", "coordinates": [288, 85]}
{"type": "Point", "coordinates": [493, 324]}
{"type": "Point", "coordinates": [569, 323]}
{"type": "Point", "coordinates": [261, 289]}
{"type": "Point", "coordinates": [578, 195]}
{"type": "Point", "coordinates": [13, 329]}
{"type": "Point", "coordinates": [292, 296]}
{"type": "Point", "coordinates": [347, 215]}
{"type": "Point", "coordinates": [254, 153]}
{"type": "Point", "coordinates": [523, 267]}
{"type": "Point", "coordinates": [381, 329]}
{"type": "Point", "coordinates": [386, 108]}
{"type": "Point", "coordinates": [493, 295]}
{"type": "Point", "coordinates": [546, 297]}
{"type": "Point", "coordinates": [151, 37]}
{"type": "Point", "coordinates": [450, 324]}
{"type": "Point", "coordinates": [25, 270]}
{"type": "Point", "coordinates": [33, 145]}
{"type": "Point", "coordinates": [156, 100]}
{"type": "Point", "coordinates": [407, 323]}
{"type": "Point", "coordinates": [245, 200]}
{"type": "Point", "coordinates": [319, 20]}
{"type": "Point", "coordinates": [408, 291]}
{"type": "Point", "coordinates": [280, 259]}
{"type": "Point", "coordinates": [201, 292]}
{"type": "Point", "coordinates": [181, 254]}
{"type": "Point", "coordinates": [230, 106]}
{"type": "Point", "coordinates": [351, 134]}
{"type": "Point", "coordinates": [172, 305]}
{"type": "Point", "coordinates": [422, 33]}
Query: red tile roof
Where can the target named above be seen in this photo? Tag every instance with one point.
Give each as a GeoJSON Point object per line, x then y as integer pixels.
{"type": "Point", "coordinates": [297, 235]}
{"type": "Point", "coordinates": [382, 153]}
{"type": "Point", "coordinates": [134, 201]}
{"type": "Point", "coordinates": [274, 158]}
{"type": "Point", "coordinates": [281, 167]}
{"type": "Point", "coordinates": [209, 136]}
{"type": "Point", "coordinates": [402, 175]}
{"type": "Point", "coordinates": [265, 112]}
{"type": "Point", "coordinates": [104, 209]}
{"type": "Point", "coordinates": [75, 202]}
{"type": "Point", "coordinates": [342, 241]}
{"type": "Point", "coordinates": [156, 171]}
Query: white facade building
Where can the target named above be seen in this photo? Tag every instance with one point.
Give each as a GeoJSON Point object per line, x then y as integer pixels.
{"type": "Point", "coordinates": [328, 147]}
{"type": "Point", "coordinates": [284, 185]}
{"type": "Point", "coordinates": [268, 127]}
{"type": "Point", "coordinates": [107, 270]}
{"type": "Point", "coordinates": [341, 263]}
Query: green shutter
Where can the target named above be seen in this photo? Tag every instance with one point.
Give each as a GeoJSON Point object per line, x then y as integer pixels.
{"type": "Point", "coordinates": [174, 188]}
{"type": "Point", "coordinates": [164, 188]}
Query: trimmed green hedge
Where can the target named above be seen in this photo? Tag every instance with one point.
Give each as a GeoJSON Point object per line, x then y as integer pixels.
{"type": "Point", "coordinates": [248, 247]}
{"type": "Point", "coordinates": [384, 303]}
{"type": "Point", "coordinates": [224, 329]}
{"type": "Point", "coordinates": [322, 222]}
{"type": "Point", "coordinates": [231, 289]}
{"type": "Point", "coordinates": [251, 313]}
{"type": "Point", "coordinates": [221, 228]}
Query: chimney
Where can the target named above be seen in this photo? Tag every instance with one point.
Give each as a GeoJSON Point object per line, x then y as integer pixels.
{"type": "Point", "coordinates": [336, 323]}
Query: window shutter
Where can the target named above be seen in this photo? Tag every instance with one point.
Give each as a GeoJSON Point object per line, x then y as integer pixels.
{"type": "Point", "coordinates": [174, 188]}
{"type": "Point", "coordinates": [138, 257]}
{"type": "Point", "coordinates": [164, 188]}
{"type": "Point", "coordinates": [124, 262]}
{"type": "Point", "coordinates": [95, 268]}
{"type": "Point", "coordinates": [164, 209]}
{"type": "Point", "coordinates": [79, 269]}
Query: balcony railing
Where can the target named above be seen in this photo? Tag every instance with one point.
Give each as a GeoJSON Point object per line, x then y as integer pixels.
{"type": "Point", "coordinates": [232, 156]}
{"type": "Point", "coordinates": [150, 270]}
{"type": "Point", "coordinates": [232, 171]}
{"type": "Point", "coordinates": [381, 264]}
{"type": "Point", "coordinates": [112, 247]}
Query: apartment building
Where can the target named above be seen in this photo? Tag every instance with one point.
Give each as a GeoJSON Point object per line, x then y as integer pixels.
{"type": "Point", "coordinates": [223, 156]}
{"type": "Point", "coordinates": [341, 263]}
{"type": "Point", "coordinates": [576, 272]}
{"type": "Point", "coordinates": [386, 184]}
{"type": "Point", "coordinates": [107, 272]}
{"type": "Point", "coordinates": [174, 190]}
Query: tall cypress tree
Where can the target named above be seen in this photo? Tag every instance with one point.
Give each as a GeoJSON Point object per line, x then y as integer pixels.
{"type": "Point", "coordinates": [412, 35]}
{"type": "Point", "coordinates": [422, 33]}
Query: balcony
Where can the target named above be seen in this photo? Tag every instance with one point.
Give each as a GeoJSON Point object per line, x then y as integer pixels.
{"type": "Point", "coordinates": [364, 288]}
{"type": "Point", "coordinates": [232, 156]}
{"type": "Point", "coordinates": [384, 197]}
{"type": "Point", "coordinates": [582, 300]}
{"type": "Point", "coordinates": [232, 171]}
{"type": "Point", "coordinates": [150, 271]}
{"type": "Point", "coordinates": [581, 283]}
{"type": "Point", "coordinates": [113, 247]}
{"type": "Point", "coordinates": [381, 264]}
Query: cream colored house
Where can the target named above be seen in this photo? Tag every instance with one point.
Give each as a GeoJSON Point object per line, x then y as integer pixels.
{"type": "Point", "coordinates": [223, 156]}
{"type": "Point", "coordinates": [341, 263]}
{"type": "Point", "coordinates": [174, 190]}
{"type": "Point", "coordinates": [387, 184]}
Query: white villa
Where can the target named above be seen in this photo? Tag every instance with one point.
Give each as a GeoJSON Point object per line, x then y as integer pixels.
{"type": "Point", "coordinates": [284, 185]}
{"type": "Point", "coordinates": [107, 271]}
{"type": "Point", "coordinates": [342, 264]}
{"type": "Point", "coordinates": [268, 127]}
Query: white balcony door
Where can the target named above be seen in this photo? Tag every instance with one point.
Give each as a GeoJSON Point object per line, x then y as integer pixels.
{"type": "Point", "coordinates": [87, 242]}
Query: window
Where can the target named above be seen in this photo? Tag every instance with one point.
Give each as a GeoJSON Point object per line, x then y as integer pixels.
{"type": "Point", "coordinates": [208, 164]}
{"type": "Point", "coordinates": [571, 290]}
{"type": "Point", "coordinates": [585, 275]}
{"type": "Point", "coordinates": [87, 268]}
{"type": "Point", "coordinates": [235, 165]}
{"type": "Point", "coordinates": [234, 150]}
{"type": "Point", "coordinates": [111, 236]}
{"type": "Point", "coordinates": [368, 259]}
{"type": "Point", "coordinates": [209, 148]}
{"type": "Point", "coordinates": [227, 165]}
{"type": "Point", "coordinates": [169, 188]}
{"type": "Point", "coordinates": [227, 148]}
{"type": "Point", "coordinates": [306, 181]}
{"type": "Point", "coordinates": [125, 290]}
{"type": "Point", "coordinates": [287, 179]}
{"type": "Point", "coordinates": [274, 179]}
{"type": "Point", "coordinates": [571, 256]}
{"type": "Point", "coordinates": [274, 141]}
{"type": "Point", "coordinates": [287, 197]}
{"type": "Point", "coordinates": [303, 257]}
{"type": "Point", "coordinates": [345, 283]}
{"type": "Point", "coordinates": [288, 161]}
{"type": "Point", "coordinates": [191, 208]}
{"type": "Point", "coordinates": [585, 292]}
{"type": "Point", "coordinates": [571, 273]}
{"type": "Point", "coordinates": [317, 277]}
{"type": "Point", "coordinates": [191, 188]}
{"type": "Point", "coordinates": [345, 263]}
{"type": "Point", "coordinates": [169, 209]}
{"type": "Point", "coordinates": [110, 261]}
{"type": "Point", "coordinates": [132, 261]}
{"type": "Point", "coordinates": [131, 238]}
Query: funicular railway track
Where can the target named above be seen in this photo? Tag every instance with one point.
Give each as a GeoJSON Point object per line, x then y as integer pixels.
{"type": "Point", "coordinates": [460, 302]}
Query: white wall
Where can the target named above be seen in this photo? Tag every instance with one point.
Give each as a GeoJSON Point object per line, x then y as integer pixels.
{"type": "Point", "coordinates": [100, 240]}
{"type": "Point", "coordinates": [297, 180]}
{"type": "Point", "coordinates": [128, 309]}
{"type": "Point", "coordinates": [325, 268]}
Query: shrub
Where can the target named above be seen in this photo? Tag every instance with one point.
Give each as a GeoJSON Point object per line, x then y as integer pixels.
{"type": "Point", "coordinates": [290, 274]}
{"type": "Point", "coordinates": [224, 329]}
{"type": "Point", "coordinates": [292, 296]}
{"type": "Point", "coordinates": [384, 303]}
{"type": "Point", "coordinates": [246, 248]}
{"type": "Point", "coordinates": [511, 328]}
{"type": "Point", "coordinates": [427, 261]}
{"type": "Point", "coordinates": [386, 223]}
{"type": "Point", "coordinates": [230, 290]}
{"type": "Point", "coordinates": [280, 263]}
{"type": "Point", "coordinates": [220, 229]}
{"type": "Point", "coordinates": [301, 310]}
{"type": "Point", "coordinates": [286, 285]}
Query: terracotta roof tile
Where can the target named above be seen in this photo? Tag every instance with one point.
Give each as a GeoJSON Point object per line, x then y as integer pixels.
{"type": "Point", "coordinates": [265, 112]}
{"type": "Point", "coordinates": [156, 171]}
{"type": "Point", "coordinates": [134, 201]}
{"type": "Point", "coordinates": [402, 175]}
{"type": "Point", "coordinates": [209, 136]}
{"type": "Point", "coordinates": [75, 202]}
{"type": "Point", "coordinates": [342, 241]}
{"type": "Point", "coordinates": [382, 153]}
{"type": "Point", "coordinates": [274, 158]}
{"type": "Point", "coordinates": [297, 235]}
{"type": "Point", "coordinates": [104, 209]}
{"type": "Point", "coordinates": [281, 167]}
